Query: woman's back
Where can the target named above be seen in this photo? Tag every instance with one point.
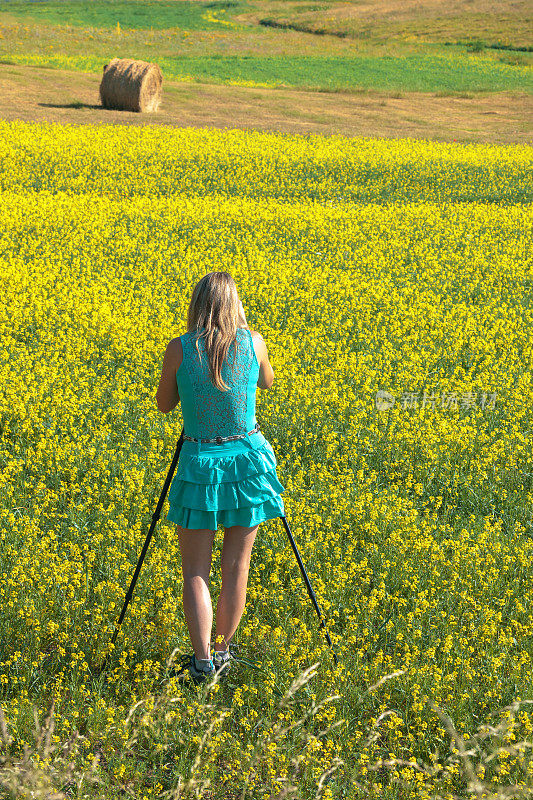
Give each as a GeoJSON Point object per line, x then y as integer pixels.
{"type": "Point", "coordinates": [226, 470]}
{"type": "Point", "coordinates": [207, 411]}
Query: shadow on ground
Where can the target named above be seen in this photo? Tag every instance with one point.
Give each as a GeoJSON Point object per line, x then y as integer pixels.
{"type": "Point", "coordinates": [75, 104]}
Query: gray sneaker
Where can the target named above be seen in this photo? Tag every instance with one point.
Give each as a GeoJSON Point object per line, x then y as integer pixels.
{"type": "Point", "coordinates": [222, 659]}
{"type": "Point", "coordinates": [188, 669]}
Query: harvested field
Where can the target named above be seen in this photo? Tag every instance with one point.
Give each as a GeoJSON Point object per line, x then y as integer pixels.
{"type": "Point", "coordinates": [27, 93]}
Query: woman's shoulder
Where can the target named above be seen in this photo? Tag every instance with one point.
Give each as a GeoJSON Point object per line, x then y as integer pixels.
{"type": "Point", "coordinates": [175, 349]}
{"type": "Point", "coordinates": [259, 346]}
{"type": "Point", "coordinates": [245, 330]}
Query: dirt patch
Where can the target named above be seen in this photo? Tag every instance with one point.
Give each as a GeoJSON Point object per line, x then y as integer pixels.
{"type": "Point", "coordinates": [439, 20]}
{"type": "Point", "coordinates": [384, 10]}
{"type": "Point", "coordinates": [411, 9]}
{"type": "Point", "coordinates": [44, 95]}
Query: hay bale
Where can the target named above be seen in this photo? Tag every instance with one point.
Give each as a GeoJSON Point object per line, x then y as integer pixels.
{"type": "Point", "coordinates": [129, 85]}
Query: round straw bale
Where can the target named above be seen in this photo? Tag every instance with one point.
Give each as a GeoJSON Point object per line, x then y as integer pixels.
{"type": "Point", "coordinates": [129, 85]}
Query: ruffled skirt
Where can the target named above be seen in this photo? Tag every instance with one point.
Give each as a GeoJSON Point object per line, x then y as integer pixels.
{"type": "Point", "coordinates": [234, 483]}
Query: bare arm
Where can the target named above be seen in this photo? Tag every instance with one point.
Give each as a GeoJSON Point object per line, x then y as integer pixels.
{"type": "Point", "coordinates": [266, 373]}
{"type": "Point", "coordinates": [167, 396]}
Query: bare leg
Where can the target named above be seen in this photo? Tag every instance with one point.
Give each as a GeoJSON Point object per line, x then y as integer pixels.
{"type": "Point", "coordinates": [196, 549]}
{"type": "Point", "coordinates": [235, 563]}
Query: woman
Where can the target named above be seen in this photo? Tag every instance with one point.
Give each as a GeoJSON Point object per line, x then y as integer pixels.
{"type": "Point", "coordinates": [226, 472]}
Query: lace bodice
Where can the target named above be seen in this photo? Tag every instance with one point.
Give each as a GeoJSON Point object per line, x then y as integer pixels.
{"type": "Point", "coordinates": [208, 411]}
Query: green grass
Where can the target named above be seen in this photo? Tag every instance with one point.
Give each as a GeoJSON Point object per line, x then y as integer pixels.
{"type": "Point", "coordinates": [189, 15]}
{"type": "Point", "coordinates": [194, 40]}
{"type": "Point", "coordinates": [411, 73]}
{"type": "Point", "coordinates": [335, 73]}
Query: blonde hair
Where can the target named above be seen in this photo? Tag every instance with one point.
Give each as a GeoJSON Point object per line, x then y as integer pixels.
{"type": "Point", "coordinates": [216, 306]}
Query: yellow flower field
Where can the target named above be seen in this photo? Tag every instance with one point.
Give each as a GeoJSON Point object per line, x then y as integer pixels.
{"type": "Point", "coordinates": [402, 266]}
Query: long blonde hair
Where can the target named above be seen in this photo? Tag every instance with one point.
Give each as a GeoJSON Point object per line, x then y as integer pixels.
{"type": "Point", "coordinates": [216, 306]}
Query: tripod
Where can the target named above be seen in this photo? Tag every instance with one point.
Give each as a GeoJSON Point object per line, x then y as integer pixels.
{"type": "Point", "coordinates": [155, 518]}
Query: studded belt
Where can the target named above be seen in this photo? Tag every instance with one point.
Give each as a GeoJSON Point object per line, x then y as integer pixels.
{"type": "Point", "coordinates": [222, 439]}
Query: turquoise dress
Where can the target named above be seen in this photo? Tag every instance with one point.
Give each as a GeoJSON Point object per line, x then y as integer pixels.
{"type": "Point", "coordinates": [232, 483]}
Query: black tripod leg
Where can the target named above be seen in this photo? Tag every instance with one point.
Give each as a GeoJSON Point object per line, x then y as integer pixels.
{"type": "Point", "coordinates": [155, 518]}
{"type": "Point", "coordinates": [308, 584]}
